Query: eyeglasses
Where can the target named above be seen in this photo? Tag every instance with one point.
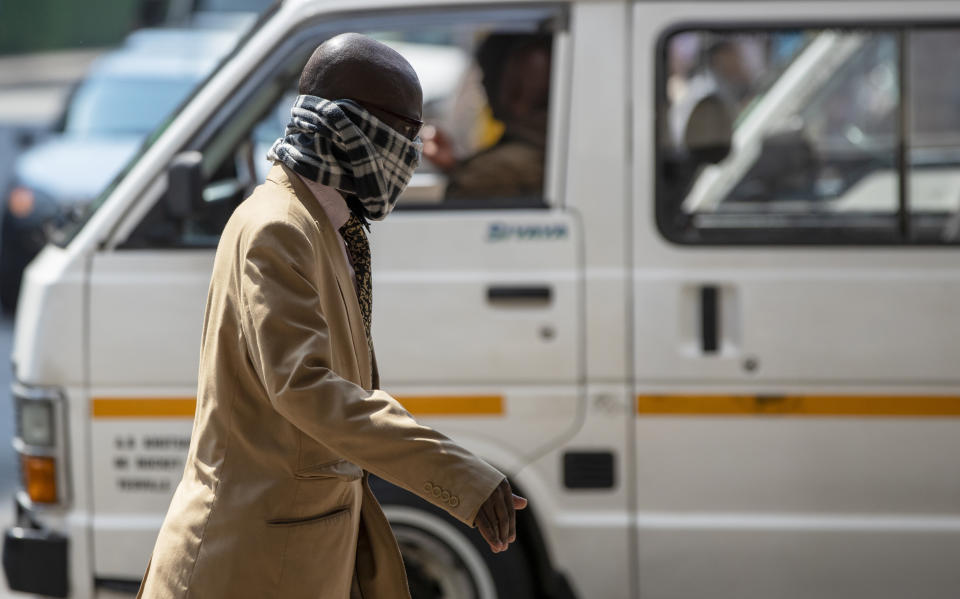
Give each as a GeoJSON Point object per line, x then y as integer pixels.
{"type": "Point", "coordinates": [409, 127]}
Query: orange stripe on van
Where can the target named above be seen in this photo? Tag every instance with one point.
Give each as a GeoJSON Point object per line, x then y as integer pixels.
{"type": "Point", "coordinates": [143, 407]}
{"type": "Point", "coordinates": [184, 407]}
{"type": "Point", "coordinates": [798, 405]}
{"type": "Point", "coordinates": [453, 405]}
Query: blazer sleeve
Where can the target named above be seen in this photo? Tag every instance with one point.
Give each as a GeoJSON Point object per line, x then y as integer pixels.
{"type": "Point", "coordinates": [289, 345]}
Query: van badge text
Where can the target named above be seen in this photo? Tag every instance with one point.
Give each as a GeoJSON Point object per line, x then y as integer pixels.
{"type": "Point", "coordinates": [505, 232]}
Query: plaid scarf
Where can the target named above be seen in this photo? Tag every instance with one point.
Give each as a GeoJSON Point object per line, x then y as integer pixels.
{"type": "Point", "coordinates": [339, 144]}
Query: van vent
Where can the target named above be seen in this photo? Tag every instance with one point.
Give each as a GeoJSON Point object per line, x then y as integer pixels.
{"type": "Point", "coordinates": [588, 470]}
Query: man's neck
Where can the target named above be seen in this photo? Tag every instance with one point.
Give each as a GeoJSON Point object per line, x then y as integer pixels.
{"type": "Point", "coordinates": [332, 202]}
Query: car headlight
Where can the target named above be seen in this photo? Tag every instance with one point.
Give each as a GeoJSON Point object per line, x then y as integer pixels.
{"type": "Point", "coordinates": [36, 423]}
{"type": "Point", "coordinates": [40, 443]}
{"type": "Point", "coordinates": [21, 202]}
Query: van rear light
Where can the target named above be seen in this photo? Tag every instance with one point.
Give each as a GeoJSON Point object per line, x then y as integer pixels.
{"type": "Point", "coordinates": [39, 478]}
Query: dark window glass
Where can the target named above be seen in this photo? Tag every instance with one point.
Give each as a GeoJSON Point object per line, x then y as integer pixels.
{"type": "Point", "coordinates": [800, 136]}
{"type": "Point", "coordinates": [933, 85]}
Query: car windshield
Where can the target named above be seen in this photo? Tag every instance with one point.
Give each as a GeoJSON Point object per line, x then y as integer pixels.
{"type": "Point", "coordinates": [131, 106]}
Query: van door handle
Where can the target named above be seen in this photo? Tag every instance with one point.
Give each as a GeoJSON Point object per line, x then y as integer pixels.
{"type": "Point", "coordinates": [709, 319]}
{"type": "Point", "coordinates": [527, 294]}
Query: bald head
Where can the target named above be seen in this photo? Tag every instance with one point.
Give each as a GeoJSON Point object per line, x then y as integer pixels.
{"type": "Point", "coordinates": [357, 67]}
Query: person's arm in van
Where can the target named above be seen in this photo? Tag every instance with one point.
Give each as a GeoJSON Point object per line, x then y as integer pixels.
{"type": "Point", "coordinates": [289, 345]}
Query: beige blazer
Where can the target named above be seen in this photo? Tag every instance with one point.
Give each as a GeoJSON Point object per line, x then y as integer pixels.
{"type": "Point", "coordinates": [274, 500]}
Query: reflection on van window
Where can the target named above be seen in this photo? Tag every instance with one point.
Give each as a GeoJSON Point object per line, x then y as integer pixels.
{"type": "Point", "coordinates": [795, 136]}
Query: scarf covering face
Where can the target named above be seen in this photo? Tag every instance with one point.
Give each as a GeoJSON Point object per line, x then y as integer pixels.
{"type": "Point", "coordinates": [339, 144]}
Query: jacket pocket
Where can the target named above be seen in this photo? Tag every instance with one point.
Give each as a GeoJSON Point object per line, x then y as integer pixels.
{"type": "Point", "coordinates": [340, 468]}
{"type": "Point", "coordinates": [315, 519]}
{"type": "Point", "coordinates": [318, 554]}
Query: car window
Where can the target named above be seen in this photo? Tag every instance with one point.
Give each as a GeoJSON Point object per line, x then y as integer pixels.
{"type": "Point", "coordinates": [470, 156]}
{"type": "Point", "coordinates": [473, 159]}
{"type": "Point", "coordinates": [134, 106]}
{"type": "Point", "coordinates": [800, 135]}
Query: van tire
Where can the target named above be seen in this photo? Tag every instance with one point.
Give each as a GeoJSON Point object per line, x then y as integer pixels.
{"type": "Point", "coordinates": [431, 539]}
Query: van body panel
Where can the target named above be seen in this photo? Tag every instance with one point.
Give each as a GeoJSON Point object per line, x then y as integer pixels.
{"type": "Point", "coordinates": [596, 178]}
{"type": "Point", "coordinates": [484, 336]}
{"type": "Point", "coordinates": [48, 334]}
{"type": "Point", "coordinates": [735, 561]}
{"type": "Point", "coordinates": [72, 516]}
{"type": "Point", "coordinates": [129, 286]}
{"type": "Point", "coordinates": [797, 457]}
{"type": "Point", "coordinates": [819, 316]}
{"type": "Point", "coordinates": [588, 537]}
{"type": "Point", "coordinates": [587, 523]}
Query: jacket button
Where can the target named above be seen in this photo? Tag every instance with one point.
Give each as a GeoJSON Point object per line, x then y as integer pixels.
{"type": "Point", "coordinates": [427, 487]}
{"type": "Point", "coordinates": [437, 491]}
{"type": "Point", "coordinates": [454, 501]}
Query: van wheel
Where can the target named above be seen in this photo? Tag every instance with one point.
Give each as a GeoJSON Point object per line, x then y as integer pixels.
{"type": "Point", "coordinates": [445, 559]}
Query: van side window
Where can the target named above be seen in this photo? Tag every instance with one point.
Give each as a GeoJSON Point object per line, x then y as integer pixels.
{"type": "Point", "coordinates": [486, 88]}
{"type": "Point", "coordinates": [800, 136]}
{"type": "Point", "coordinates": [485, 112]}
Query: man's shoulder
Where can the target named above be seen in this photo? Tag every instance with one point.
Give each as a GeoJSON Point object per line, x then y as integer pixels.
{"type": "Point", "coordinates": [270, 207]}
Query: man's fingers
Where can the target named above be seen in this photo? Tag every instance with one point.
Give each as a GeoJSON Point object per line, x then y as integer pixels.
{"type": "Point", "coordinates": [511, 523]}
{"type": "Point", "coordinates": [486, 530]}
{"type": "Point", "coordinates": [483, 525]}
{"type": "Point", "coordinates": [511, 516]}
{"type": "Point", "coordinates": [500, 507]}
{"type": "Point", "coordinates": [490, 518]}
{"type": "Point", "coordinates": [497, 520]}
{"type": "Point", "coordinates": [519, 502]}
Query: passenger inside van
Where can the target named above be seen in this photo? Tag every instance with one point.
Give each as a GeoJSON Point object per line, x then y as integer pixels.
{"type": "Point", "coordinates": [516, 79]}
{"type": "Point", "coordinates": [701, 121]}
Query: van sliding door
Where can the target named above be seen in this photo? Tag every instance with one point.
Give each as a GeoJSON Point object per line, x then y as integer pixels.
{"type": "Point", "coordinates": [797, 300]}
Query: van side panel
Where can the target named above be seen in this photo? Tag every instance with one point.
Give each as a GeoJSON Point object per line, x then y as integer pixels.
{"type": "Point", "coordinates": [796, 408]}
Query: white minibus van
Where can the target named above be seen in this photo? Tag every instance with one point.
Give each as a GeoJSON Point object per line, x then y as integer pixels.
{"type": "Point", "coordinates": [708, 321]}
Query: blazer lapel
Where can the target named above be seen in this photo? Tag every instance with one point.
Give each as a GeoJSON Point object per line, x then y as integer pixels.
{"type": "Point", "coordinates": [331, 245]}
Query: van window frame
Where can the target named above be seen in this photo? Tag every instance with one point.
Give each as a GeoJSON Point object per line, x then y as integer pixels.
{"type": "Point", "coordinates": [900, 234]}
{"type": "Point", "coordinates": [555, 14]}
{"type": "Point", "coordinates": [265, 73]}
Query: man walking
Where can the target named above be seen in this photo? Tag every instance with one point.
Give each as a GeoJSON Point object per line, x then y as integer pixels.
{"type": "Point", "coordinates": [274, 500]}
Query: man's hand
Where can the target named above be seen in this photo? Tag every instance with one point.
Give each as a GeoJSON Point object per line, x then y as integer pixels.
{"type": "Point", "coordinates": [438, 148]}
{"type": "Point", "coordinates": [496, 519]}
